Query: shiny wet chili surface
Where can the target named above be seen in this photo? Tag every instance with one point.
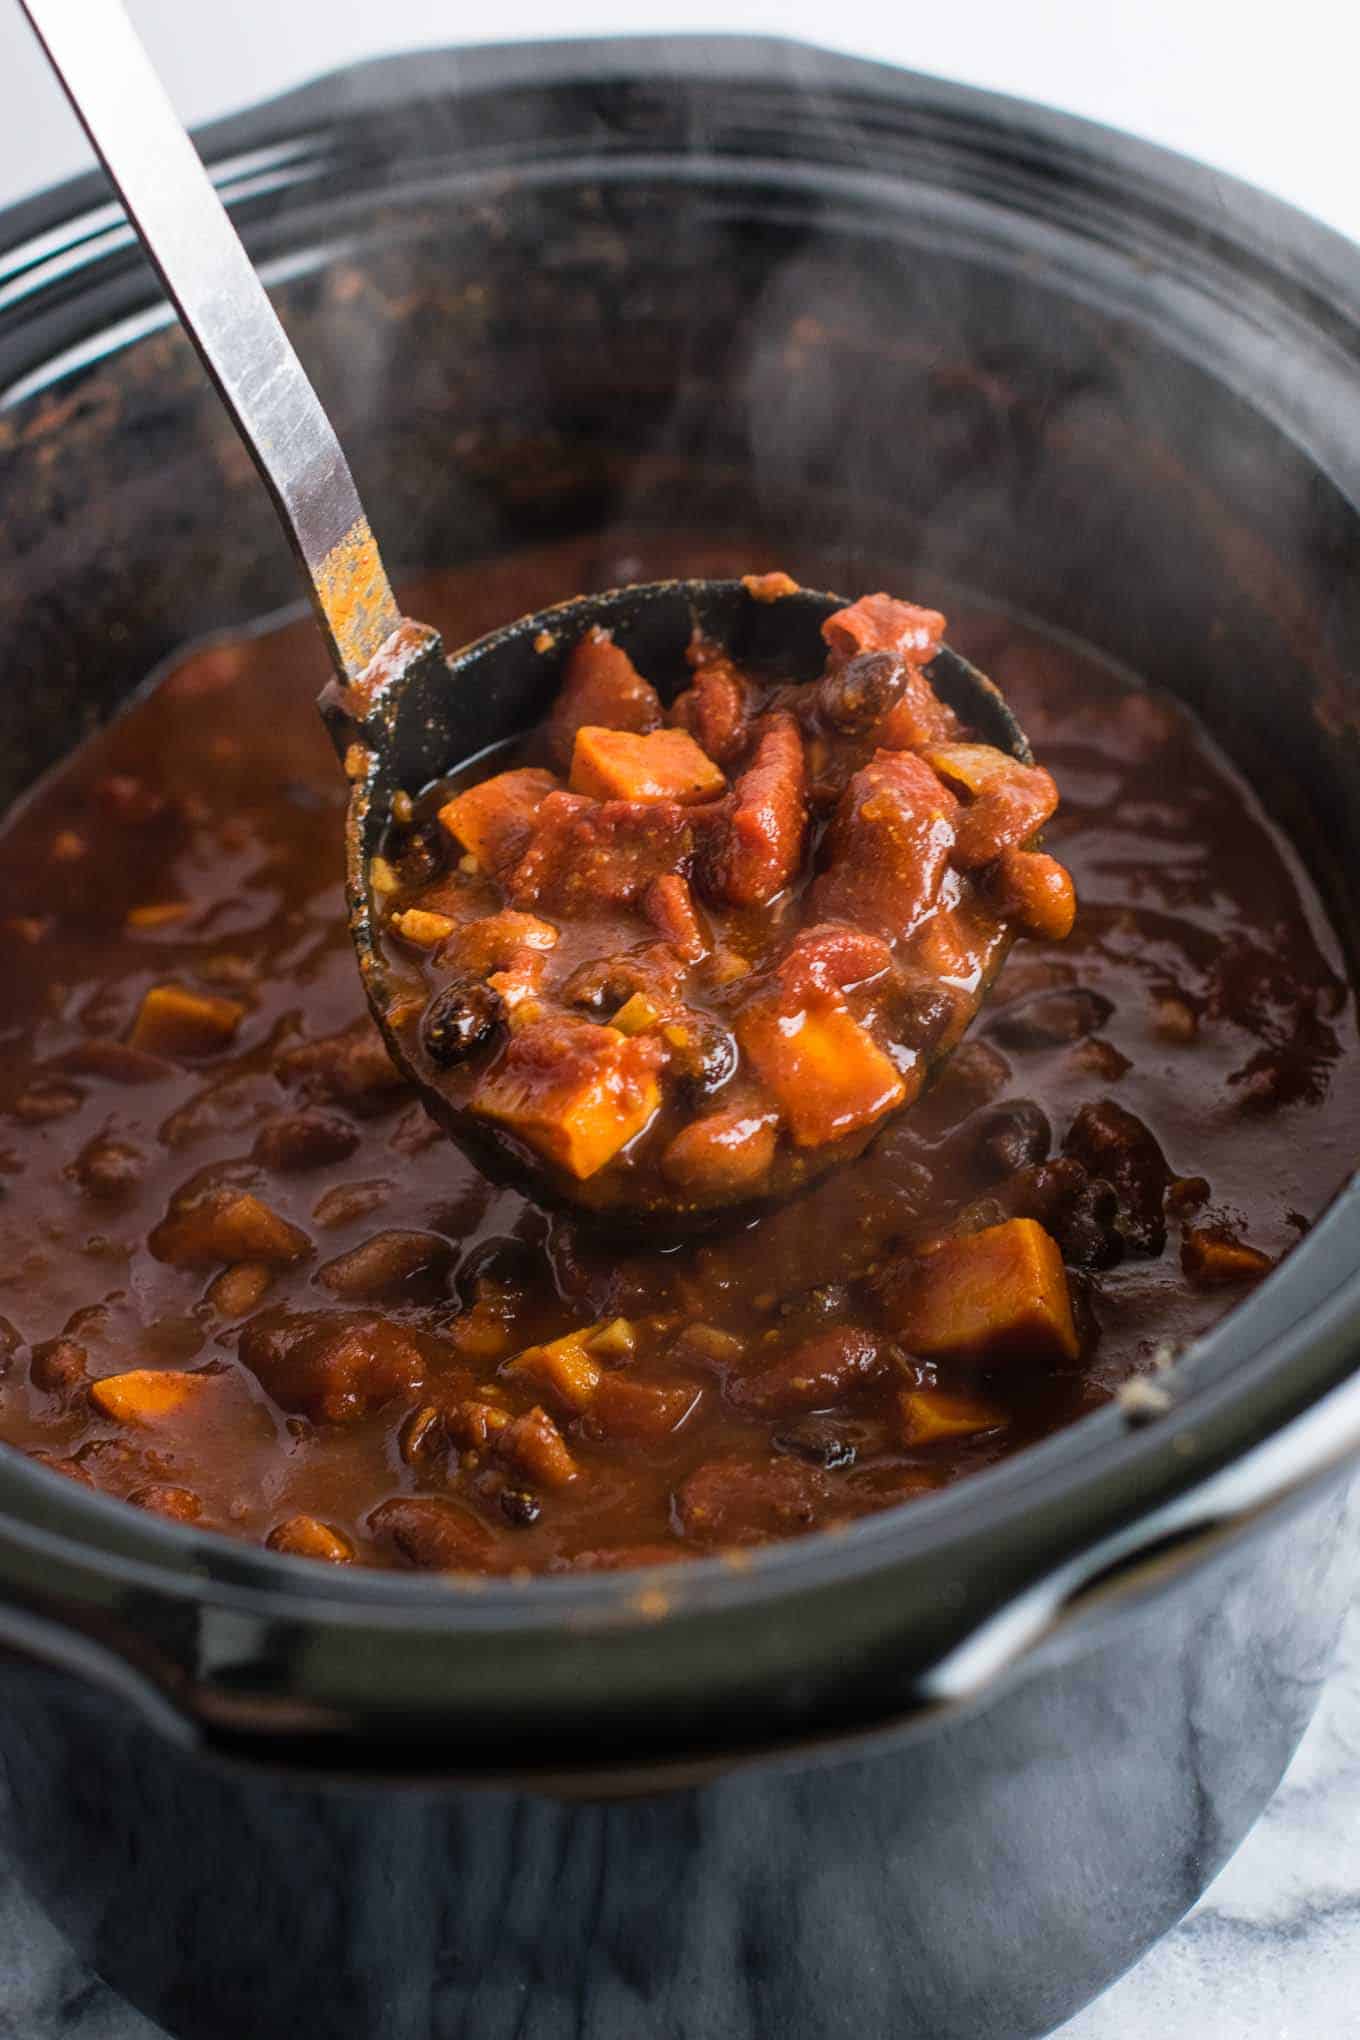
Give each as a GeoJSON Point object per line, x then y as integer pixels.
{"type": "Point", "coordinates": [245, 1281]}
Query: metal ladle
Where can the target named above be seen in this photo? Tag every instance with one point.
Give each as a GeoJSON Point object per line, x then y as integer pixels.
{"type": "Point", "coordinates": [399, 712]}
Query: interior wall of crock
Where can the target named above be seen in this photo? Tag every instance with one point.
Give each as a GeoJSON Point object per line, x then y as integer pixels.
{"type": "Point", "coordinates": [563, 357]}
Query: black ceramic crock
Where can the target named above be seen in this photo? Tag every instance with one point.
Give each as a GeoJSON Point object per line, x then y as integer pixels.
{"type": "Point", "coordinates": [945, 1774]}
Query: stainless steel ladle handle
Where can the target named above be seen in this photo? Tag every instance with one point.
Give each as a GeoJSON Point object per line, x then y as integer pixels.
{"type": "Point", "coordinates": [108, 77]}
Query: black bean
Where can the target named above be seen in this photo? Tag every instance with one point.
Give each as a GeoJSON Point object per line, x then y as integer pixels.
{"type": "Point", "coordinates": [520, 1507]}
{"type": "Point", "coordinates": [1048, 1019]}
{"type": "Point", "coordinates": [817, 1444]}
{"type": "Point", "coordinates": [419, 854]}
{"type": "Point", "coordinates": [921, 1011]}
{"type": "Point", "coordinates": [460, 1020]}
{"type": "Point", "coordinates": [704, 1062]}
{"type": "Point", "coordinates": [862, 691]}
{"type": "Point", "coordinates": [1013, 1137]}
{"type": "Point", "coordinates": [1114, 1144]}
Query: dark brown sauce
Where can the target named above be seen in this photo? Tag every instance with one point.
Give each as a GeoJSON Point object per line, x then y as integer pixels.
{"type": "Point", "coordinates": [1211, 1004]}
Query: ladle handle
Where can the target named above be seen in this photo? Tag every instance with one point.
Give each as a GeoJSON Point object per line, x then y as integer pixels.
{"type": "Point", "coordinates": [122, 105]}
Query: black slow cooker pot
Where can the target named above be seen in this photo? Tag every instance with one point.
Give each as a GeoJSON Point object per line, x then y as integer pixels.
{"type": "Point", "coordinates": [945, 1774]}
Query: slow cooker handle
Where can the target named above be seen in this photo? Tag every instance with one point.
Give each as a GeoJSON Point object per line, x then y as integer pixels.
{"type": "Point", "coordinates": [1281, 1468]}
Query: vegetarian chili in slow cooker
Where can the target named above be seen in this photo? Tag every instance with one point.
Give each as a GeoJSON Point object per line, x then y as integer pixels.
{"type": "Point", "coordinates": [247, 1282]}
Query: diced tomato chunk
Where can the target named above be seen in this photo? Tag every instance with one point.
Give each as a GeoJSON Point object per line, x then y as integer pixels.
{"type": "Point", "coordinates": [880, 623]}
{"type": "Point", "coordinates": [601, 685]}
{"type": "Point", "coordinates": [827, 1075]}
{"type": "Point", "coordinates": [717, 708]}
{"type": "Point", "coordinates": [917, 717]}
{"type": "Point", "coordinates": [832, 958]}
{"type": "Point", "coordinates": [671, 908]}
{"type": "Point", "coordinates": [819, 1372]}
{"type": "Point", "coordinates": [756, 849]}
{"type": "Point", "coordinates": [888, 846]}
{"type": "Point", "coordinates": [493, 820]}
{"type": "Point", "coordinates": [642, 1409]}
{"type": "Point", "coordinates": [584, 853]}
{"type": "Point", "coordinates": [661, 765]}
{"type": "Point", "coordinates": [332, 1366]}
{"type": "Point", "coordinates": [575, 1091]}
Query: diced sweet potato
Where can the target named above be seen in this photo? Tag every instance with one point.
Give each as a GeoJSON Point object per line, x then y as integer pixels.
{"type": "Point", "coordinates": [991, 1294]}
{"type": "Point", "coordinates": [717, 709]}
{"type": "Point", "coordinates": [1210, 1255]}
{"type": "Point", "coordinates": [148, 1395]}
{"type": "Point", "coordinates": [575, 1091]}
{"type": "Point", "coordinates": [492, 821]}
{"type": "Point", "coordinates": [585, 854]}
{"type": "Point", "coordinates": [601, 685]}
{"type": "Point", "coordinates": [331, 1366]}
{"type": "Point", "coordinates": [827, 1075]}
{"type": "Point", "coordinates": [756, 845]}
{"type": "Point", "coordinates": [888, 847]}
{"type": "Point", "coordinates": [534, 1445]}
{"type": "Point", "coordinates": [1039, 892]}
{"type": "Point", "coordinates": [563, 1369]}
{"type": "Point", "coordinates": [434, 1535]}
{"type": "Point", "coordinates": [1010, 800]}
{"type": "Point", "coordinates": [819, 1372]}
{"type": "Point", "coordinates": [307, 1537]}
{"type": "Point", "coordinates": [929, 1413]}
{"type": "Point", "coordinates": [176, 1022]}
{"type": "Point", "coordinates": [723, 1153]}
{"type": "Point", "coordinates": [671, 908]}
{"type": "Point", "coordinates": [660, 765]}
{"type": "Point", "coordinates": [880, 623]}
{"type": "Point", "coordinates": [642, 1409]}
{"type": "Point", "coordinates": [224, 1224]}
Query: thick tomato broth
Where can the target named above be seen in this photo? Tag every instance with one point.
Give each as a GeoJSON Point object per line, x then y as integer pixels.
{"type": "Point", "coordinates": [245, 1281]}
{"type": "Point", "coordinates": [680, 955]}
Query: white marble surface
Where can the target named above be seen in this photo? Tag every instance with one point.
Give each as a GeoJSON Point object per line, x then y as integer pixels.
{"type": "Point", "coordinates": [1272, 1952]}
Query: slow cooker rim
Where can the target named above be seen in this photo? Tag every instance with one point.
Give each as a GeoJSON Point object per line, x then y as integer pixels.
{"type": "Point", "coordinates": [214, 1566]}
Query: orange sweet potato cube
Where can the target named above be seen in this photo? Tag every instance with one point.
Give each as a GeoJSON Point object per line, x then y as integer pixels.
{"type": "Point", "coordinates": [172, 1020]}
{"type": "Point", "coordinates": [562, 1367]}
{"type": "Point", "coordinates": [575, 1091]}
{"type": "Point", "coordinates": [146, 1395]}
{"type": "Point", "coordinates": [826, 1073]}
{"type": "Point", "coordinates": [492, 820]}
{"type": "Point", "coordinates": [655, 765]}
{"type": "Point", "coordinates": [928, 1413]}
{"type": "Point", "coordinates": [992, 1293]}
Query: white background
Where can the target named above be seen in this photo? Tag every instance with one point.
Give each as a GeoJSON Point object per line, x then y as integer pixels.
{"type": "Point", "coordinates": [1265, 88]}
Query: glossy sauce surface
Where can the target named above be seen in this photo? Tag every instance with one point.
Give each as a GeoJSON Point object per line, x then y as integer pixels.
{"type": "Point", "coordinates": [1172, 1095]}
